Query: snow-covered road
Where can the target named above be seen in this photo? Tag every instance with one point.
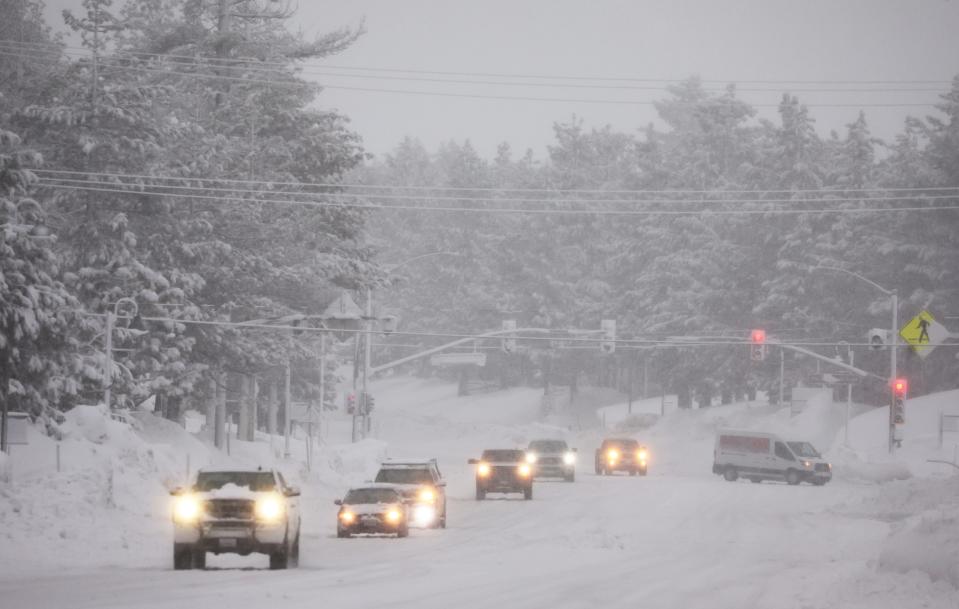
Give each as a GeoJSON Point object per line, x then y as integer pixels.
{"type": "Point", "coordinates": [662, 541]}
{"type": "Point", "coordinates": [680, 537]}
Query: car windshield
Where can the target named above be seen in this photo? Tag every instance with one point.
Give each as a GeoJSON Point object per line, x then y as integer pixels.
{"type": "Point", "coordinates": [804, 449]}
{"type": "Point", "coordinates": [255, 481]}
{"type": "Point", "coordinates": [503, 456]}
{"type": "Point", "coordinates": [371, 495]}
{"type": "Point", "coordinates": [548, 446]}
{"type": "Point", "coordinates": [404, 476]}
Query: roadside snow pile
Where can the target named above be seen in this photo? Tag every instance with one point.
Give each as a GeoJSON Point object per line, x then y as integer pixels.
{"type": "Point", "coordinates": [925, 537]}
{"type": "Point", "coordinates": [854, 466]}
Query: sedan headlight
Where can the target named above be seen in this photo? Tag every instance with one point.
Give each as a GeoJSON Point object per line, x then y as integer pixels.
{"type": "Point", "coordinates": [347, 517]}
{"type": "Point", "coordinates": [269, 508]}
{"type": "Point", "coordinates": [524, 469]}
{"type": "Point", "coordinates": [427, 495]}
{"type": "Point", "coordinates": [394, 515]}
{"type": "Point", "coordinates": [531, 457]}
{"type": "Point", "coordinates": [187, 509]}
{"type": "Point", "coordinates": [483, 470]}
{"type": "Point", "coordinates": [569, 458]}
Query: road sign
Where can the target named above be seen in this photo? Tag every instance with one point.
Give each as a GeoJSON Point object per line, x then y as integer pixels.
{"type": "Point", "coordinates": [924, 333]}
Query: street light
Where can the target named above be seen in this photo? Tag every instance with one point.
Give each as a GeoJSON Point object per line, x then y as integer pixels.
{"type": "Point", "coordinates": [894, 300]}
{"type": "Point", "coordinates": [368, 350]}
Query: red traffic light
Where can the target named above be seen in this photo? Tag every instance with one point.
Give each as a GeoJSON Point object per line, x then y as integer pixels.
{"type": "Point", "coordinates": [759, 336]}
{"type": "Point", "coordinates": [900, 386]}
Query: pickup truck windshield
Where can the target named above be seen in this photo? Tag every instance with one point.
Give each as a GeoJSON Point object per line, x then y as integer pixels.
{"type": "Point", "coordinates": [255, 481]}
{"type": "Point", "coordinates": [404, 476]}
{"type": "Point", "coordinates": [371, 495]}
{"type": "Point", "coordinates": [503, 456]}
{"type": "Point", "coordinates": [548, 446]}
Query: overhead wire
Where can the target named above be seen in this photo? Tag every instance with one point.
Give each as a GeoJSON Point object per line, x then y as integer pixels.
{"type": "Point", "coordinates": [178, 188]}
{"type": "Point", "coordinates": [664, 191]}
{"type": "Point", "coordinates": [518, 211]}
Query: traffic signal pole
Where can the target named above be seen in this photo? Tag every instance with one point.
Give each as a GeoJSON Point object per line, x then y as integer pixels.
{"type": "Point", "coordinates": [892, 370]}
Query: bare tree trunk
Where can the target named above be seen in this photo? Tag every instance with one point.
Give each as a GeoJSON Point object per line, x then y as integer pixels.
{"type": "Point", "coordinates": [271, 414]}
{"type": "Point", "coordinates": [243, 424]}
{"type": "Point", "coordinates": [219, 430]}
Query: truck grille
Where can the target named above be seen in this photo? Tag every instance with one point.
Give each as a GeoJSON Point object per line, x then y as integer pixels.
{"type": "Point", "coordinates": [239, 509]}
{"type": "Point", "coordinates": [822, 467]}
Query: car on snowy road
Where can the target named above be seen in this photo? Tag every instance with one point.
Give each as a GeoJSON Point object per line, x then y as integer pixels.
{"type": "Point", "coordinates": [236, 512]}
{"type": "Point", "coordinates": [422, 486]}
{"type": "Point", "coordinates": [374, 509]}
{"type": "Point", "coordinates": [621, 455]}
{"type": "Point", "coordinates": [759, 456]}
{"type": "Point", "coordinates": [503, 471]}
{"type": "Point", "coordinates": [552, 459]}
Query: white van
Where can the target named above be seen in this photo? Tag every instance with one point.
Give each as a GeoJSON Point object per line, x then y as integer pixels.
{"type": "Point", "coordinates": [761, 456]}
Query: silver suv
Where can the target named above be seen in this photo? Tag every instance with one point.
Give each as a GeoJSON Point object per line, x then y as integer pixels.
{"type": "Point", "coordinates": [423, 489]}
{"type": "Point", "coordinates": [552, 459]}
{"type": "Point", "coordinates": [236, 512]}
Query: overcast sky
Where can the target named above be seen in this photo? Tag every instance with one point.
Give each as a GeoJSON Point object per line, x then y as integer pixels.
{"type": "Point", "coordinates": [765, 41]}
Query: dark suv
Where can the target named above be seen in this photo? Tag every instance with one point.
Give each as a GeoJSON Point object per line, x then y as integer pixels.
{"type": "Point", "coordinates": [621, 455]}
{"type": "Point", "coordinates": [423, 489]}
{"type": "Point", "coordinates": [236, 512]}
{"type": "Point", "coordinates": [503, 471]}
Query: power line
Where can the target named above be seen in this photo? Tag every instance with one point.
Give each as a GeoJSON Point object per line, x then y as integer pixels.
{"type": "Point", "coordinates": [292, 80]}
{"type": "Point", "coordinates": [136, 187]}
{"type": "Point", "coordinates": [227, 61]}
{"type": "Point", "coordinates": [520, 211]}
{"type": "Point", "coordinates": [98, 174]}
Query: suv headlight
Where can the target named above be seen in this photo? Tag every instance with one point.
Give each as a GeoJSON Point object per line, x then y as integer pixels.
{"type": "Point", "coordinates": [612, 454]}
{"type": "Point", "coordinates": [427, 495]}
{"type": "Point", "coordinates": [642, 454]}
{"type": "Point", "coordinates": [187, 509]}
{"type": "Point", "coordinates": [531, 457]}
{"type": "Point", "coordinates": [569, 458]}
{"type": "Point", "coordinates": [524, 469]}
{"type": "Point", "coordinates": [269, 508]}
{"type": "Point", "coordinates": [483, 470]}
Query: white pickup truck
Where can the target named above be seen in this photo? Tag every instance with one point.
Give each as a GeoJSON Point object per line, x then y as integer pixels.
{"type": "Point", "coordinates": [238, 512]}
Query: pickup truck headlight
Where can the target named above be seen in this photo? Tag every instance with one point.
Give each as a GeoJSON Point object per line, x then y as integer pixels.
{"type": "Point", "coordinates": [569, 458]}
{"type": "Point", "coordinates": [424, 515]}
{"type": "Point", "coordinates": [531, 457]}
{"type": "Point", "coordinates": [269, 508]}
{"type": "Point", "coordinates": [612, 454]}
{"type": "Point", "coordinates": [482, 470]}
{"type": "Point", "coordinates": [642, 454]}
{"type": "Point", "coordinates": [187, 509]}
{"type": "Point", "coordinates": [427, 495]}
{"type": "Point", "coordinates": [524, 470]}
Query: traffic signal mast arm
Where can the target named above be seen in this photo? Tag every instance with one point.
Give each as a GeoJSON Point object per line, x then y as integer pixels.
{"type": "Point", "coordinates": [829, 360]}
{"type": "Point", "coordinates": [387, 366]}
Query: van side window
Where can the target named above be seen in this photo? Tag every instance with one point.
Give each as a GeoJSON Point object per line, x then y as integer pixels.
{"type": "Point", "coordinates": [783, 453]}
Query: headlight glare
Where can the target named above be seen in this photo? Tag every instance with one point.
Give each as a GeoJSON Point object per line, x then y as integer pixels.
{"type": "Point", "coordinates": [424, 515]}
{"type": "Point", "coordinates": [483, 469]}
{"type": "Point", "coordinates": [394, 515]}
{"type": "Point", "coordinates": [187, 509]}
{"type": "Point", "coordinates": [524, 469]}
{"type": "Point", "coordinates": [531, 457]}
{"type": "Point", "coordinates": [347, 517]}
{"type": "Point", "coordinates": [642, 454]}
{"type": "Point", "coordinates": [569, 458]}
{"type": "Point", "coordinates": [612, 454]}
{"type": "Point", "coordinates": [427, 495]}
{"type": "Point", "coordinates": [269, 508]}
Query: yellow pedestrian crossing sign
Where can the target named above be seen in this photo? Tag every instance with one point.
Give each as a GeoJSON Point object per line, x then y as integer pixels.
{"type": "Point", "coordinates": [924, 333]}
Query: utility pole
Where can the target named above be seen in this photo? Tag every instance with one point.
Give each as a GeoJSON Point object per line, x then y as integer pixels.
{"type": "Point", "coordinates": [852, 362]}
{"type": "Point", "coordinates": [322, 378]}
{"type": "Point", "coordinates": [368, 344]}
{"type": "Point", "coordinates": [108, 367]}
{"type": "Point", "coordinates": [287, 399]}
{"type": "Point", "coordinates": [782, 375]}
